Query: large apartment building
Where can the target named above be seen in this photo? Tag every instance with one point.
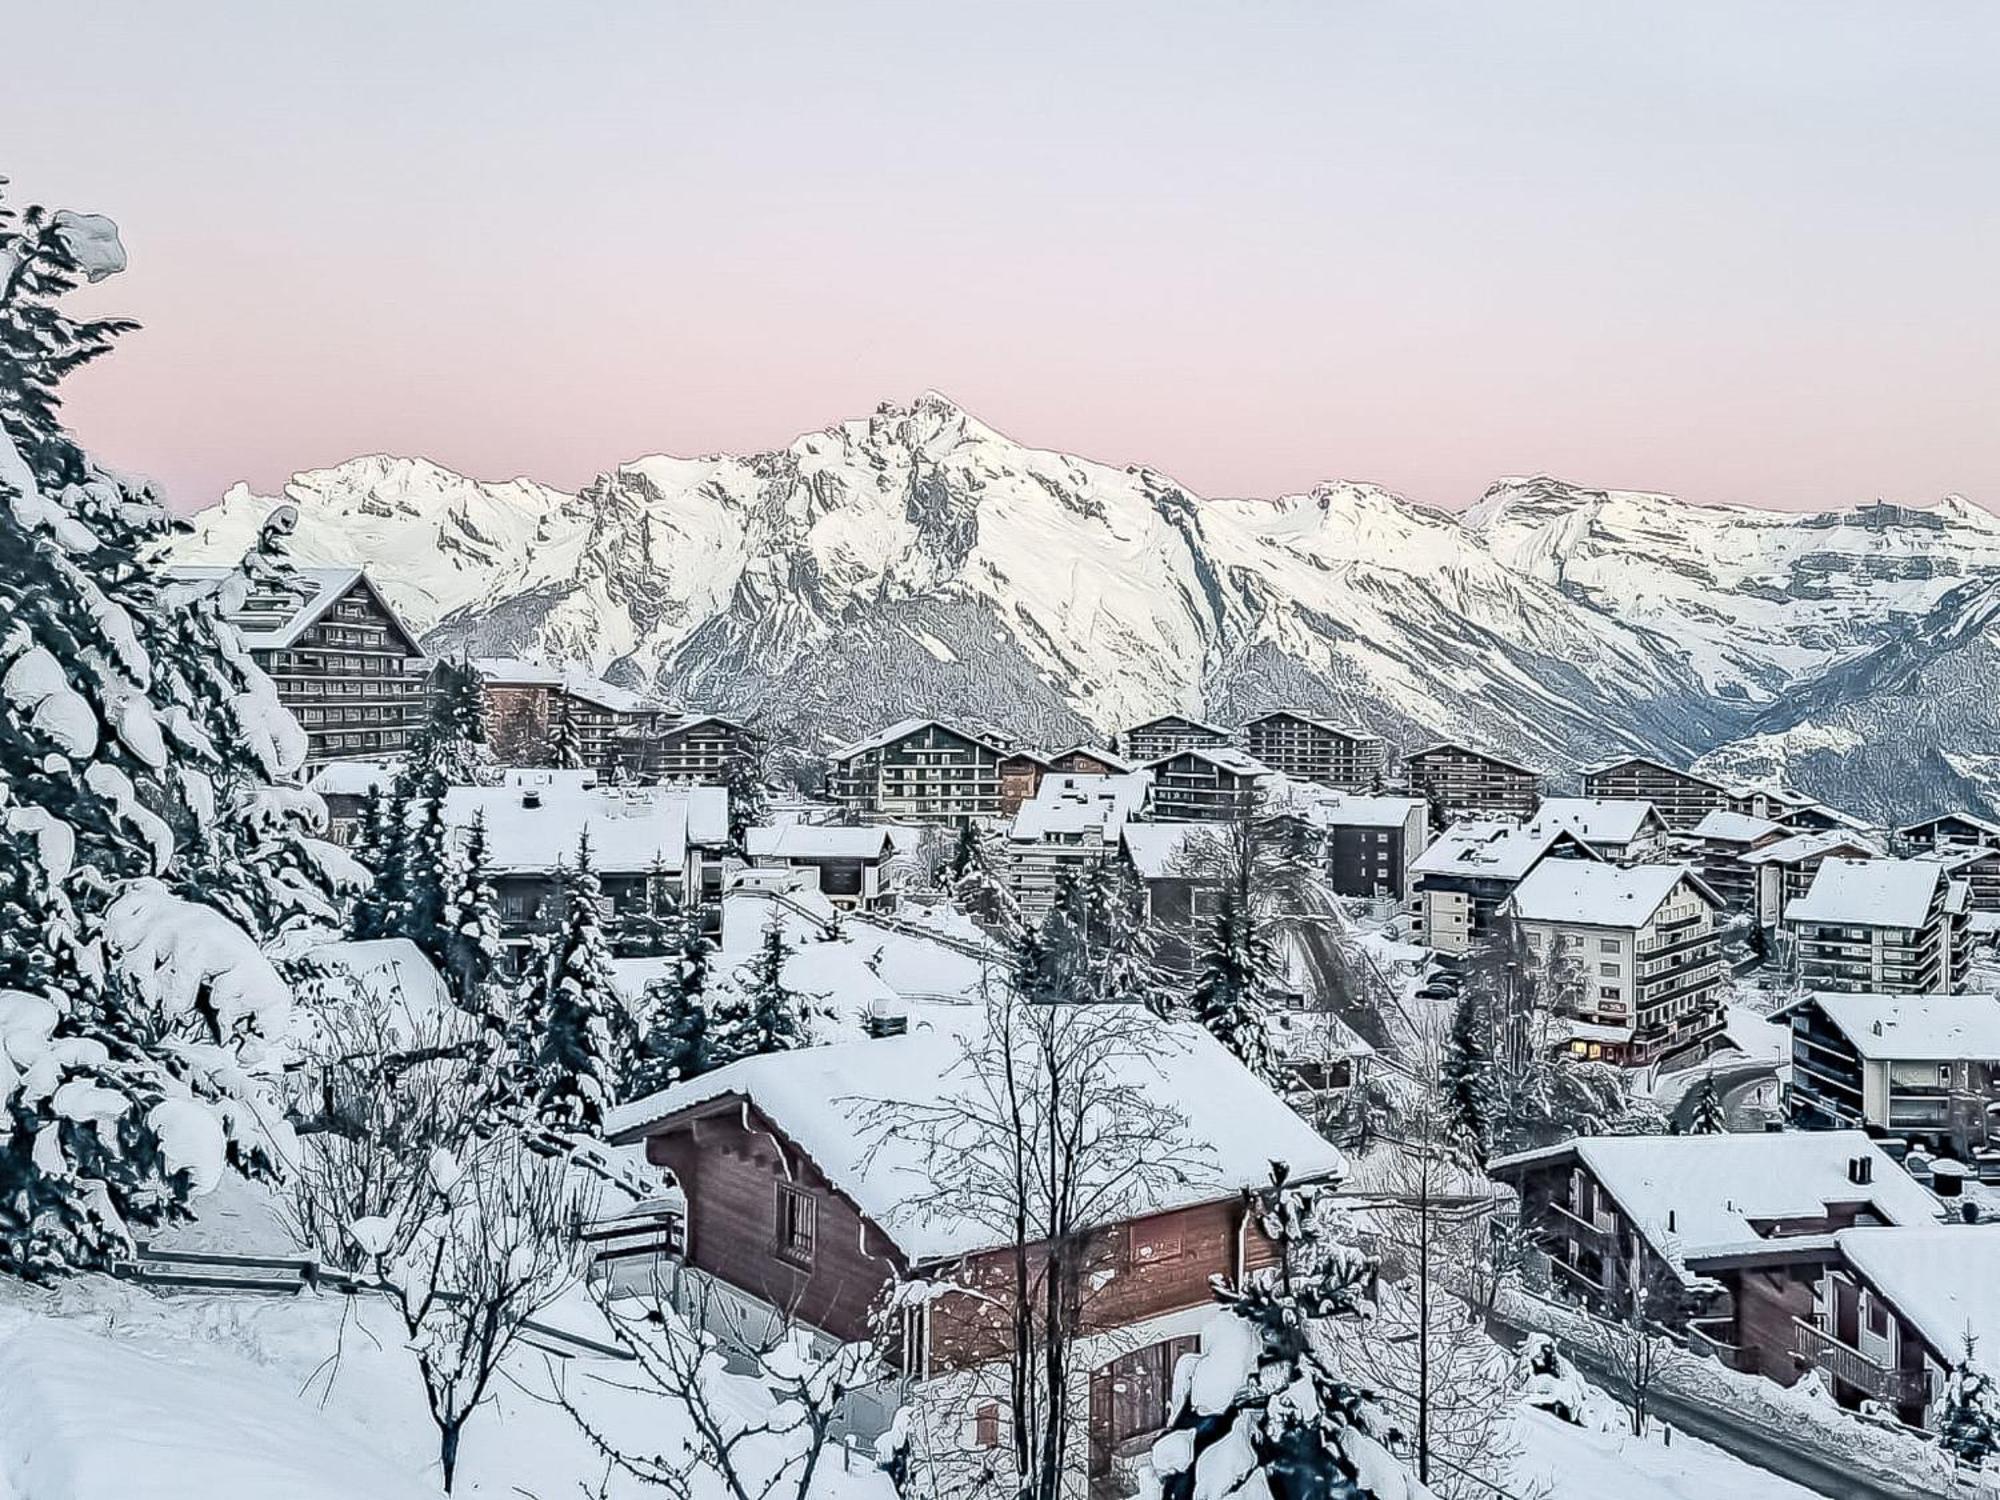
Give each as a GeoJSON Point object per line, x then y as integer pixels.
{"type": "Point", "coordinates": [1460, 782]}
{"type": "Point", "coordinates": [1682, 797]}
{"type": "Point", "coordinates": [1925, 1068]}
{"type": "Point", "coordinates": [1307, 748]}
{"type": "Point", "coordinates": [348, 669]}
{"type": "Point", "coordinates": [922, 770]}
{"type": "Point", "coordinates": [1144, 743]}
{"type": "Point", "coordinates": [699, 749]}
{"type": "Point", "coordinates": [526, 700]}
{"type": "Point", "coordinates": [1888, 926]}
{"type": "Point", "coordinates": [1471, 868]}
{"type": "Point", "coordinates": [1069, 826]}
{"type": "Point", "coordinates": [1206, 784]}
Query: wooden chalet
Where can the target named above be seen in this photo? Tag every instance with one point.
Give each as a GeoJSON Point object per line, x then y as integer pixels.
{"type": "Point", "coordinates": [1309, 748]}
{"type": "Point", "coordinates": [922, 770]}
{"type": "Point", "coordinates": [698, 749]}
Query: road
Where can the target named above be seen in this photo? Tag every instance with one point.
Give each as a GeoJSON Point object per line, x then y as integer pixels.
{"type": "Point", "coordinates": [1735, 1082]}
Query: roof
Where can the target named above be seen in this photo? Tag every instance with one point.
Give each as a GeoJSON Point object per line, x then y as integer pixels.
{"type": "Point", "coordinates": [1226, 757]}
{"type": "Point", "coordinates": [632, 829]}
{"type": "Point", "coordinates": [1944, 1279]}
{"type": "Point", "coordinates": [516, 671]}
{"type": "Point", "coordinates": [272, 620]}
{"type": "Point", "coordinates": [1914, 1028]}
{"type": "Point", "coordinates": [1453, 747]}
{"type": "Point", "coordinates": [1734, 827]}
{"type": "Point", "coordinates": [1870, 893]}
{"type": "Point", "coordinates": [1804, 846]}
{"type": "Point", "coordinates": [581, 684]}
{"type": "Point", "coordinates": [1716, 1188]}
{"type": "Point", "coordinates": [389, 975]}
{"type": "Point", "coordinates": [1491, 847]}
{"type": "Point", "coordinates": [1601, 820]}
{"type": "Point", "coordinates": [1594, 894]}
{"type": "Point", "coordinates": [1345, 731]}
{"type": "Point", "coordinates": [816, 841]}
{"type": "Point", "coordinates": [351, 778]}
{"type": "Point", "coordinates": [1604, 766]}
{"type": "Point", "coordinates": [1346, 810]}
{"type": "Point", "coordinates": [1160, 851]}
{"type": "Point", "coordinates": [1082, 804]}
{"type": "Point", "coordinates": [1215, 729]}
{"type": "Point", "coordinates": [815, 1096]}
{"type": "Point", "coordinates": [1984, 826]}
{"type": "Point", "coordinates": [903, 728]}
{"type": "Point", "coordinates": [1096, 752]}
{"type": "Point", "coordinates": [695, 721]}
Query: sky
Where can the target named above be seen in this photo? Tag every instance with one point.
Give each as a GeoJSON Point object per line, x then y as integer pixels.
{"type": "Point", "coordinates": [1740, 251]}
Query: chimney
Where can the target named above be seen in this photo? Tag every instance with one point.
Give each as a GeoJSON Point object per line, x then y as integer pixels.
{"type": "Point", "coordinates": [531, 797]}
{"type": "Point", "coordinates": [1861, 1170]}
{"type": "Point", "coordinates": [888, 1016]}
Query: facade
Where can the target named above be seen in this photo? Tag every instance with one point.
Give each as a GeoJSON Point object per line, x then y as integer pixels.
{"type": "Point", "coordinates": [1144, 743]}
{"type": "Point", "coordinates": [1682, 797]}
{"type": "Point", "coordinates": [1021, 773]}
{"type": "Point", "coordinates": [921, 770]}
{"type": "Point", "coordinates": [1783, 869]}
{"type": "Point", "coordinates": [1720, 841]}
{"type": "Point", "coordinates": [1312, 749]}
{"type": "Point", "coordinates": [1619, 831]}
{"type": "Point", "coordinates": [1206, 785]}
{"type": "Point", "coordinates": [1471, 869]}
{"type": "Point", "coordinates": [848, 866]}
{"type": "Point", "coordinates": [1071, 825]}
{"type": "Point", "coordinates": [526, 699]}
{"type": "Point", "coordinates": [792, 1206]}
{"type": "Point", "coordinates": [698, 749]}
{"type": "Point", "coordinates": [606, 716]}
{"type": "Point", "coordinates": [344, 786]}
{"type": "Point", "coordinates": [1925, 1068]}
{"type": "Point", "coordinates": [1631, 951]}
{"type": "Point", "coordinates": [1893, 926]}
{"type": "Point", "coordinates": [1978, 867]}
{"type": "Point", "coordinates": [343, 663]}
{"type": "Point", "coordinates": [1460, 782]}
{"type": "Point", "coordinates": [1180, 865]}
{"type": "Point", "coordinates": [1369, 841]}
{"type": "Point", "coordinates": [1089, 760]}
{"type": "Point", "coordinates": [1947, 830]}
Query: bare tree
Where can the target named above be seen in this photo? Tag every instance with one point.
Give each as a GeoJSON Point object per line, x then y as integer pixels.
{"type": "Point", "coordinates": [1044, 1133]}
{"type": "Point", "coordinates": [1628, 1332]}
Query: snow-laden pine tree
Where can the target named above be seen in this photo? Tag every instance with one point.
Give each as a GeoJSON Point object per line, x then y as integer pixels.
{"type": "Point", "coordinates": [1233, 991]}
{"type": "Point", "coordinates": [450, 748]}
{"type": "Point", "coordinates": [1709, 1118]}
{"type": "Point", "coordinates": [136, 1015]}
{"type": "Point", "coordinates": [471, 959]}
{"type": "Point", "coordinates": [380, 910]}
{"type": "Point", "coordinates": [979, 883]}
{"type": "Point", "coordinates": [423, 915]}
{"type": "Point", "coordinates": [1969, 1415]}
{"type": "Point", "coordinates": [758, 1012]}
{"type": "Point", "coordinates": [1263, 1399]}
{"type": "Point", "coordinates": [677, 1037]}
{"type": "Point", "coordinates": [744, 778]}
{"type": "Point", "coordinates": [565, 739]}
{"type": "Point", "coordinates": [575, 1033]}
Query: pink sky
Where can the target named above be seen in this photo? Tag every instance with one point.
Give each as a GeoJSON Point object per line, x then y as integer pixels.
{"type": "Point", "coordinates": [1739, 252]}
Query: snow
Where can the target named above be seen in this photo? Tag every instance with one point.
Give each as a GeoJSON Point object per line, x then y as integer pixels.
{"type": "Point", "coordinates": [809, 841]}
{"type": "Point", "coordinates": [1945, 1280]}
{"type": "Point", "coordinates": [92, 242]}
{"type": "Point", "coordinates": [814, 1096]}
{"type": "Point", "coordinates": [1490, 848]}
{"type": "Point", "coordinates": [1600, 820]}
{"type": "Point", "coordinates": [903, 729]}
{"type": "Point", "coordinates": [1869, 893]}
{"type": "Point", "coordinates": [1065, 804]}
{"type": "Point", "coordinates": [1804, 846]}
{"type": "Point", "coordinates": [36, 683]}
{"type": "Point", "coordinates": [632, 829]}
{"type": "Point", "coordinates": [177, 953]}
{"type": "Point", "coordinates": [351, 778]}
{"type": "Point", "coordinates": [1734, 827]}
{"type": "Point", "coordinates": [1562, 1461]}
{"type": "Point", "coordinates": [1161, 851]}
{"type": "Point", "coordinates": [191, 1140]}
{"type": "Point", "coordinates": [1592, 894]}
{"type": "Point", "coordinates": [1915, 1028]}
{"type": "Point", "coordinates": [1223, 757]}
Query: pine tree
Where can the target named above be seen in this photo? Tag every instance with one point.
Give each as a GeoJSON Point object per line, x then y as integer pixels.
{"type": "Point", "coordinates": [655, 931]}
{"type": "Point", "coordinates": [749, 798]}
{"type": "Point", "coordinates": [472, 948]}
{"type": "Point", "coordinates": [1125, 964]}
{"type": "Point", "coordinates": [576, 1035]}
{"type": "Point", "coordinates": [423, 915]}
{"type": "Point", "coordinates": [1232, 995]}
{"type": "Point", "coordinates": [565, 740]}
{"type": "Point", "coordinates": [678, 1039]}
{"type": "Point", "coordinates": [979, 882]}
{"type": "Point", "coordinates": [760, 1013]}
{"type": "Point", "coordinates": [1709, 1118]}
{"type": "Point", "coordinates": [1969, 1415]}
{"type": "Point", "coordinates": [379, 912]}
{"type": "Point", "coordinates": [1465, 1074]}
{"type": "Point", "coordinates": [449, 748]}
{"type": "Point", "coordinates": [1263, 1396]}
{"type": "Point", "coordinates": [127, 995]}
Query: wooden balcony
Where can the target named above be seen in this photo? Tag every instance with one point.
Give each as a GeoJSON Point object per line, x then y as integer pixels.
{"type": "Point", "coordinates": [1821, 1350]}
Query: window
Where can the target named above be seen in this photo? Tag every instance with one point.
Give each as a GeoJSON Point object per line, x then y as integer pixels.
{"type": "Point", "coordinates": [1607, 945]}
{"type": "Point", "coordinates": [986, 1425]}
{"type": "Point", "coordinates": [796, 1219]}
{"type": "Point", "coordinates": [1608, 971]}
{"type": "Point", "coordinates": [1157, 1240]}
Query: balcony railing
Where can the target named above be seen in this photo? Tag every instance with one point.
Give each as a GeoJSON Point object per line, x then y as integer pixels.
{"type": "Point", "coordinates": [1820, 1349]}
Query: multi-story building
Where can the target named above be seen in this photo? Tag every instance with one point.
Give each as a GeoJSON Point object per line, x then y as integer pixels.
{"type": "Point", "coordinates": [847, 865]}
{"type": "Point", "coordinates": [922, 770]}
{"type": "Point", "coordinates": [1460, 782]}
{"type": "Point", "coordinates": [1181, 866]}
{"type": "Point", "coordinates": [1206, 784]}
{"type": "Point", "coordinates": [1925, 1068]}
{"type": "Point", "coordinates": [1471, 868]}
{"type": "Point", "coordinates": [525, 700]}
{"type": "Point", "coordinates": [1312, 749]}
{"type": "Point", "coordinates": [699, 749]}
{"type": "Point", "coordinates": [1021, 773]}
{"type": "Point", "coordinates": [1144, 743]}
{"type": "Point", "coordinates": [342, 662]}
{"type": "Point", "coordinates": [1684, 798]}
{"type": "Point", "coordinates": [1619, 831]}
{"type": "Point", "coordinates": [1893, 926]}
{"type": "Point", "coordinates": [1629, 951]}
{"type": "Point", "coordinates": [604, 715]}
{"type": "Point", "coordinates": [1947, 830]}
{"type": "Point", "coordinates": [1370, 841]}
{"type": "Point", "coordinates": [1089, 760]}
{"type": "Point", "coordinates": [1721, 840]}
{"type": "Point", "coordinates": [1978, 867]}
{"type": "Point", "coordinates": [1070, 825]}
{"type": "Point", "coordinates": [1783, 869]}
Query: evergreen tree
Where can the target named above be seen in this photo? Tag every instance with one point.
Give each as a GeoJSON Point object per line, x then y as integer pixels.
{"type": "Point", "coordinates": [760, 1013]}
{"type": "Point", "coordinates": [678, 1039]}
{"type": "Point", "coordinates": [1969, 1415]}
{"type": "Point", "coordinates": [449, 748]}
{"type": "Point", "coordinates": [979, 882]}
{"type": "Point", "coordinates": [1125, 967]}
{"type": "Point", "coordinates": [749, 797]}
{"type": "Point", "coordinates": [565, 739]}
{"type": "Point", "coordinates": [128, 995]}
{"type": "Point", "coordinates": [576, 1034]}
{"type": "Point", "coordinates": [1264, 1385]}
{"type": "Point", "coordinates": [379, 911]}
{"type": "Point", "coordinates": [1465, 1072]}
{"type": "Point", "coordinates": [1708, 1115]}
{"type": "Point", "coordinates": [423, 916]}
{"type": "Point", "coordinates": [1232, 995]}
{"type": "Point", "coordinates": [471, 958]}
{"type": "Point", "coordinates": [655, 931]}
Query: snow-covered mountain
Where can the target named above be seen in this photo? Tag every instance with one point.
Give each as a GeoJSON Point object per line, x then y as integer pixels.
{"type": "Point", "coordinates": [917, 560]}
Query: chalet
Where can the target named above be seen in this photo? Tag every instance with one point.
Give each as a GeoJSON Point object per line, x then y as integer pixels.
{"type": "Point", "coordinates": [1683, 798]}
{"type": "Point", "coordinates": [1313, 749]}
{"type": "Point", "coordinates": [1206, 784]}
{"type": "Point", "coordinates": [1664, 1217]}
{"type": "Point", "coordinates": [922, 770]}
{"type": "Point", "coordinates": [1144, 743]}
{"type": "Point", "coordinates": [1370, 841]}
{"type": "Point", "coordinates": [1181, 867]}
{"type": "Point", "coordinates": [341, 660]}
{"type": "Point", "coordinates": [1621, 831]}
{"type": "Point", "coordinates": [605, 715]}
{"type": "Point", "coordinates": [649, 846]}
{"type": "Point", "coordinates": [1021, 773]}
{"type": "Point", "coordinates": [1460, 782]}
{"type": "Point", "coordinates": [1881, 925]}
{"type": "Point", "coordinates": [1782, 870]}
{"type": "Point", "coordinates": [1922, 1067]}
{"type": "Point", "coordinates": [1072, 824]}
{"type": "Point", "coordinates": [698, 749]}
{"type": "Point", "coordinates": [1632, 952]}
{"type": "Point", "coordinates": [1720, 841]}
{"type": "Point", "coordinates": [345, 786]}
{"type": "Point", "coordinates": [1473, 867]}
{"type": "Point", "coordinates": [847, 865]}
{"type": "Point", "coordinates": [526, 699]}
{"type": "Point", "coordinates": [1089, 760]}
{"type": "Point", "coordinates": [1948, 829]}
{"type": "Point", "coordinates": [798, 1206]}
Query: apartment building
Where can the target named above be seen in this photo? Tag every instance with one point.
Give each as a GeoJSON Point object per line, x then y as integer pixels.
{"type": "Point", "coordinates": [1307, 748]}
{"type": "Point", "coordinates": [1471, 868]}
{"type": "Point", "coordinates": [1460, 782]}
{"type": "Point", "coordinates": [1881, 926]}
{"type": "Point", "coordinates": [1620, 831]}
{"type": "Point", "coordinates": [1069, 826]}
{"type": "Point", "coordinates": [922, 770]}
{"type": "Point", "coordinates": [1155, 739]}
{"type": "Point", "coordinates": [698, 749]}
{"type": "Point", "coordinates": [1206, 784]}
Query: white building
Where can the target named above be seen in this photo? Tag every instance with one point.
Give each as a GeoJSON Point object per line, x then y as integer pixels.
{"type": "Point", "coordinates": [1617, 828]}
{"type": "Point", "coordinates": [1071, 824]}
{"type": "Point", "coordinates": [1881, 925]}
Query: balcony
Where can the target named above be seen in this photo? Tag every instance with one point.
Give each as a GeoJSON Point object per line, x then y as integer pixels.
{"type": "Point", "coordinates": [1600, 1226]}
{"type": "Point", "coordinates": [1821, 1350]}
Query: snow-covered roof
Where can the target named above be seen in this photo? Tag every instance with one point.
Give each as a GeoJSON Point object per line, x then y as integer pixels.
{"type": "Point", "coordinates": [1325, 807]}
{"type": "Point", "coordinates": [1984, 826]}
{"type": "Point", "coordinates": [632, 829]}
{"type": "Point", "coordinates": [271, 621]}
{"type": "Point", "coordinates": [1234, 1126]}
{"type": "Point", "coordinates": [1082, 804]}
{"type": "Point", "coordinates": [1717, 1188]}
{"type": "Point", "coordinates": [1600, 820]}
{"type": "Point", "coordinates": [1804, 846]}
{"type": "Point", "coordinates": [516, 671]}
{"type": "Point", "coordinates": [351, 778]}
{"type": "Point", "coordinates": [579, 683]}
{"type": "Point", "coordinates": [1192, 723]}
{"type": "Point", "coordinates": [1870, 892]}
{"type": "Point", "coordinates": [903, 728]}
{"type": "Point", "coordinates": [388, 975]}
{"type": "Point", "coordinates": [1452, 747]}
{"type": "Point", "coordinates": [1591, 893]}
{"type": "Point", "coordinates": [1312, 1035]}
{"type": "Point", "coordinates": [1225, 757]}
{"type": "Point", "coordinates": [1096, 752]}
{"type": "Point", "coordinates": [575, 779]}
{"type": "Point", "coordinates": [1346, 731]}
{"type": "Point", "coordinates": [810, 841]}
{"type": "Point", "coordinates": [1914, 1028]}
{"type": "Point", "coordinates": [1492, 848]}
{"type": "Point", "coordinates": [1159, 851]}
{"type": "Point", "coordinates": [1943, 1278]}
{"type": "Point", "coordinates": [1734, 827]}
{"type": "Point", "coordinates": [1600, 767]}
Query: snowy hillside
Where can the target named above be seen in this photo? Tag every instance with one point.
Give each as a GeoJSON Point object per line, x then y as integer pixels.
{"type": "Point", "coordinates": [918, 560]}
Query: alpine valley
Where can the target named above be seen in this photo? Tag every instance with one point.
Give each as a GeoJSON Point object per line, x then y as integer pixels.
{"type": "Point", "coordinates": [918, 562]}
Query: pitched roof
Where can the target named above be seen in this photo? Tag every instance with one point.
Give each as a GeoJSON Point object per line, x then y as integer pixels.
{"type": "Point", "coordinates": [1492, 848]}
{"type": "Point", "coordinates": [1600, 820]}
{"type": "Point", "coordinates": [1235, 1125]}
{"type": "Point", "coordinates": [1224, 757]}
{"type": "Point", "coordinates": [903, 728]}
{"type": "Point", "coordinates": [1082, 804]}
{"type": "Point", "coordinates": [271, 620]}
{"type": "Point", "coordinates": [1179, 719]}
{"type": "Point", "coordinates": [1944, 1279]}
{"type": "Point", "coordinates": [1913, 1028]}
{"type": "Point", "coordinates": [1734, 827]}
{"type": "Point", "coordinates": [1096, 752]}
{"type": "Point", "coordinates": [351, 778]}
{"type": "Point", "coordinates": [1594, 894]}
{"type": "Point", "coordinates": [1161, 851]}
{"type": "Point", "coordinates": [632, 829]}
{"type": "Point", "coordinates": [1983, 826]}
{"type": "Point", "coordinates": [1456, 748]}
{"type": "Point", "coordinates": [1658, 765]}
{"type": "Point", "coordinates": [1870, 892]}
{"type": "Point", "coordinates": [816, 841]}
{"type": "Point", "coordinates": [1804, 846]}
{"type": "Point", "coordinates": [1345, 731]}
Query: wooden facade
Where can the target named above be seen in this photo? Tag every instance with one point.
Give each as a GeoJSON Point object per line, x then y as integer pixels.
{"type": "Point", "coordinates": [1460, 782]}
{"type": "Point", "coordinates": [921, 770]}
{"type": "Point", "coordinates": [700, 749]}
{"type": "Point", "coordinates": [1145, 743]}
{"type": "Point", "coordinates": [1205, 786]}
{"type": "Point", "coordinates": [1311, 749]}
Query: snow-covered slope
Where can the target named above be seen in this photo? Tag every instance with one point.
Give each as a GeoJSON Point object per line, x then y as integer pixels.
{"type": "Point", "coordinates": [917, 560]}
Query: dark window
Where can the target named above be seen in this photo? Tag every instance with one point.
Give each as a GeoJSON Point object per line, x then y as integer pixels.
{"type": "Point", "coordinates": [795, 1224]}
{"type": "Point", "coordinates": [986, 1425]}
